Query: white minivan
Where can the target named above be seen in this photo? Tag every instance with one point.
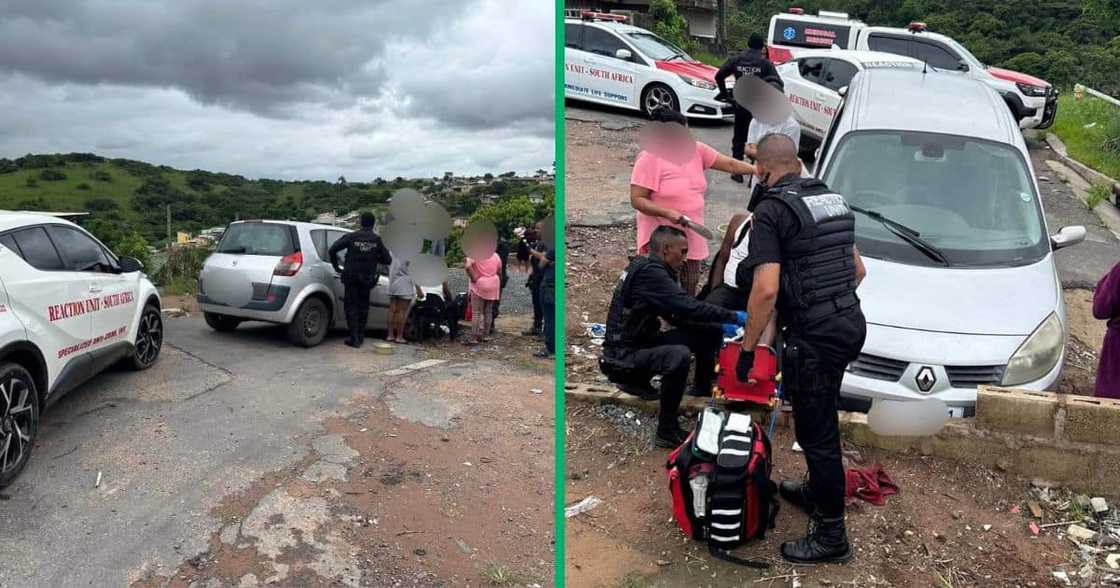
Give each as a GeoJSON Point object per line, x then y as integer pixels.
{"type": "Point", "coordinates": [961, 286]}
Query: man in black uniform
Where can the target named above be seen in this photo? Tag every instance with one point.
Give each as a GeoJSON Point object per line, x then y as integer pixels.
{"type": "Point", "coordinates": [648, 292]}
{"type": "Point", "coordinates": [751, 62]}
{"type": "Point", "coordinates": [805, 262]}
{"type": "Point", "coordinates": [365, 253]}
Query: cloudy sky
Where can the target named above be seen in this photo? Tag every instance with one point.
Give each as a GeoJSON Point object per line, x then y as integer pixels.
{"type": "Point", "coordinates": [286, 89]}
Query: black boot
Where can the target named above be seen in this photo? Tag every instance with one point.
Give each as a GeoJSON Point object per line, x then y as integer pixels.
{"type": "Point", "coordinates": [827, 541]}
{"type": "Point", "coordinates": [669, 438]}
{"type": "Point", "coordinates": [797, 493]}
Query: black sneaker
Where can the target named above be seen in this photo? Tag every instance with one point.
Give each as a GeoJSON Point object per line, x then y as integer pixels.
{"type": "Point", "coordinates": [670, 439]}
{"type": "Point", "coordinates": [737, 178]}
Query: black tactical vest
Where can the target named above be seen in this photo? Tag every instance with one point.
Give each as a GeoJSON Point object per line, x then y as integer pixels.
{"type": "Point", "coordinates": [818, 276]}
{"type": "Point", "coordinates": [630, 322]}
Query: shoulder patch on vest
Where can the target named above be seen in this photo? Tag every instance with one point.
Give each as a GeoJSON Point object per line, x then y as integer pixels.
{"type": "Point", "coordinates": [825, 206]}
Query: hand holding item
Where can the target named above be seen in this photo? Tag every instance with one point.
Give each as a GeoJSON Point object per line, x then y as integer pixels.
{"type": "Point", "coordinates": [730, 330]}
{"type": "Point", "coordinates": [741, 317]}
{"type": "Point", "coordinates": [744, 364]}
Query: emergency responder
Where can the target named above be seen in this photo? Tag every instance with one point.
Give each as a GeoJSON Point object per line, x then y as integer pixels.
{"type": "Point", "coordinates": [752, 62]}
{"type": "Point", "coordinates": [648, 292]}
{"type": "Point", "coordinates": [802, 250]}
{"type": "Point", "coordinates": [365, 256]}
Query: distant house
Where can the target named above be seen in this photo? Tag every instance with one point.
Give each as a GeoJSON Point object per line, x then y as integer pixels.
{"type": "Point", "coordinates": [490, 198]}
{"type": "Point", "coordinates": [325, 218]}
{"type": "Point", "coordinates": [459, 222]}
{"type": "Point", "coordinates": [536, 198]}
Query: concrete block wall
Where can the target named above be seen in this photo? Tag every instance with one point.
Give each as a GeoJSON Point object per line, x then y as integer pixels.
{"type": "Point", "coordinates": [1062, 417]}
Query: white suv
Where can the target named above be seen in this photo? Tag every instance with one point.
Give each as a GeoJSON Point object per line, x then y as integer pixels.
{"type": "Point", "coordinates": [69, 308]}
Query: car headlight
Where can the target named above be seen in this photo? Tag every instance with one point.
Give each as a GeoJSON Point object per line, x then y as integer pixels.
{"type": "Point", "coordinates": [1032, 91]}
{"type": "Point", "coordinates": [697, 82]}
{"type": "Point", "coordinates": [1037, 355]}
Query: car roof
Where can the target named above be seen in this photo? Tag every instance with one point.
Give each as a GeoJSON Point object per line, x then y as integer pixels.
{"type": "Point", "coordinates": [297, 224]}
{"type": "Point", "coordinates": [858, 55]}
{"type": "Point", "coordinates": [14, 219]}
{"type": "Point", "coordinates": [608, 24]}
{"type": "Point", "coordinates": [935, 102]}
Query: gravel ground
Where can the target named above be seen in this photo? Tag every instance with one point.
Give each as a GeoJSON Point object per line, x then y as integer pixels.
{"type": "Point", "coordinates": [516, 298]}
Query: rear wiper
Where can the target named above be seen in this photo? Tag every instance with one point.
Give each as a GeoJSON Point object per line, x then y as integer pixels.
{"type": "Point", "coordinates": [906, 234]}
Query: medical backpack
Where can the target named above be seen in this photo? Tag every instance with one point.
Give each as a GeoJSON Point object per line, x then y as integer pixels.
{"type": "Point", "coordinates": [720, 484]}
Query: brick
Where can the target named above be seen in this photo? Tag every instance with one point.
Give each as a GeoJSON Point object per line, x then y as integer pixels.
{"type": "Point", "coordinates": [1024, 412]}
{"type": "Point", "coordinates": [1092, 420]}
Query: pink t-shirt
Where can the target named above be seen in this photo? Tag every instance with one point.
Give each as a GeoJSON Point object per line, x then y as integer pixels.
{"type": "Point", "coordinates": [680, 187]}
{"type": "Point", "coordinates": [488, 286]}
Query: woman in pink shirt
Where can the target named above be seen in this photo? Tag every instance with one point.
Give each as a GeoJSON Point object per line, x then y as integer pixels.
{"type": "Point", "coordinates": [664, 191]}
{"type": "Point", "coordinates": [485, 289]}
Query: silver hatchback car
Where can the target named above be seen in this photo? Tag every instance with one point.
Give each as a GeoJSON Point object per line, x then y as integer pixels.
{"type": "Point", "coordinates": [280, 272]}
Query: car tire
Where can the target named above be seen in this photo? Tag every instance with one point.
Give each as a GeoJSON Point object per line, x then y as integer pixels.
{"type": "Point", "coordinates": [149, 339]}
{"type": "Point", "coordinates": [221, 322]}
{"type": "Point", "coordinates": [18, 395]}
{"type": "Point", "coordinates": [659, 95]}
{"type": "Point", "coordinates": [309, 327]}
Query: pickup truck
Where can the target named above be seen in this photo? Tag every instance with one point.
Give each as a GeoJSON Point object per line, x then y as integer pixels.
{"type": "Point", "coordinates": [1032, 101]}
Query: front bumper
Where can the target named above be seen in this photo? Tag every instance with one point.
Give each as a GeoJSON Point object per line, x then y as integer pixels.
{"type": "Point", "coordinates": [700, 103]}
{"type": "Point", "coordinates": [1039, 112]}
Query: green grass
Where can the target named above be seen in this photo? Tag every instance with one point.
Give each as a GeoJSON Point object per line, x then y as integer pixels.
{"type": "Point", "coordinates": [1087, 144]}
{"type": "Point", "coordinates": [1098, 193]}
{"type": "Point", "coordinates": [499, 575]}
{"type": "Point", "coordinates": [709, 58]}
{"type": "Point", "coordinates": [64, 195]}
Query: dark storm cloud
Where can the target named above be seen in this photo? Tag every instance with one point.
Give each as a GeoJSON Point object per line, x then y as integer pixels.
{"type": "Point", "coordinates": [260, 56]}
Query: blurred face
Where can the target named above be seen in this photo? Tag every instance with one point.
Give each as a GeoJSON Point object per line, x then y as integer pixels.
{"type": "Point", "coordinates": [675, 252]}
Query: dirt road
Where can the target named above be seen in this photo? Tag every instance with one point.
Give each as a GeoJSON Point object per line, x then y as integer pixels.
{"type": "Point", "coordinates": [934, 533]}
{"type": "Point", "coordinates": [241, 460]}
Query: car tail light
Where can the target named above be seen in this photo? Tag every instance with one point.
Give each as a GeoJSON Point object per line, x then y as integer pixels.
{"type": "Point", "coordinates": [779, 55]}
{"type": "Point", "coordinates": [289, 264]}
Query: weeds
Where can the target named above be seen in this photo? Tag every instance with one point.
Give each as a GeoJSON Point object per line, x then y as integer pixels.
{"type": "Point", "coordinates": [499, 575]}
{"type": "Point", "coordinates": [1098, 193]}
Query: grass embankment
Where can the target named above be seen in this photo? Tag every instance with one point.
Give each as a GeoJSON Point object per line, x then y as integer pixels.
{"type": "Point", "coordinates": [1087, 144]}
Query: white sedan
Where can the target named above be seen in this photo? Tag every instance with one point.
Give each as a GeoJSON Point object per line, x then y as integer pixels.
{"type": "Point", "coordinates": [814, 80]}
{"type": "Point", "coordinates": [609, 62]}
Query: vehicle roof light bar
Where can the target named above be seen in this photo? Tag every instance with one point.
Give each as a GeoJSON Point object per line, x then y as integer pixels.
{"type": "Point", "coordinates": [591, 15]}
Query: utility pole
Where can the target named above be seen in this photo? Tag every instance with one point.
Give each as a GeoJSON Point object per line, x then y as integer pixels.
{"type": "Point", "coordinates": [169, 241]}
{"type": "Point", "coordinates": [721, 25]}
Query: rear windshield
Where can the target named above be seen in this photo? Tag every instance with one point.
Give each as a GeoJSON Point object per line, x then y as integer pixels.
{"type": "Point", "coordinates": [257, 239]}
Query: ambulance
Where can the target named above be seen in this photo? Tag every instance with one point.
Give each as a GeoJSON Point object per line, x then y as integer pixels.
{"type": "Point", "coordinates": [69, 309]}
{"type": "Point", "coordinates": [607, 61]}
{"type": "Point", "coordinates": [1032, 101]}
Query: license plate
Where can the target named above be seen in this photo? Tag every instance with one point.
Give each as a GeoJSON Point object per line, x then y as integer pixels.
{"type": "Point", "coordinates": [956, 412]}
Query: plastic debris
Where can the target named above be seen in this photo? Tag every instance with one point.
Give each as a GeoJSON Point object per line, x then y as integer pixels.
{"type": "Point", "coordinates": [582, 506]}
{"type": "Point", "coordinates": [1100, 505]}
{"type": "Point", "coordinates": [1081, 533]}
{"type": "Point", "coordinates": [1034, 528]}
{"type": "Point", "coordinates": [1061, 576]}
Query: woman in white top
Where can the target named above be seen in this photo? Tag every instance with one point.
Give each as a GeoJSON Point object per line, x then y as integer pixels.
{"type": "Point", "coordinates": [401, 292]}
{"type": "Point", "coordinates": [727, 286]}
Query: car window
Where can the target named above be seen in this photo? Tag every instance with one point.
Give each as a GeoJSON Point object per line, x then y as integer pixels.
{"type": "Point", "coordinates": [37, 249]}
{"type": "Point", "coordinates": [80, 252]}
{"type": "Point", "coordinates": [601, 42]}
{"type": "Point", "coordinates": [928, 51]}
{"type": "Point", "coordinates": [657, 48]}
{"type": "Point", "coordinates": [257, 239]}
{"type": "Point", "coordinates": [10, 242]}
{"type": "Point", "coordinates": [323, 239]}
{"type": "Point", "coordinates": [839, 74]}
{"type": "Point", "coordinates": [333, 236]}
{"type": "Point", "coordinates": [573, 34]}
{"type": "Point", "coordinates": [811, 69]}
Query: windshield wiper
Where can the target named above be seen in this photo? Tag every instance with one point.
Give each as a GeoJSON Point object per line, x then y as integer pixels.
{"type": "Point", "coordinates": [907, 234]}
{"type": "Point", "coordinates": [675, 56]}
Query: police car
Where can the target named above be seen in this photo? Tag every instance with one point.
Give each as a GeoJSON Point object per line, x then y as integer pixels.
{"type": "Point", "coordinates": [815, 80]}
{"type": "Point", "coordinates": [607, 61]}
{"type": "Point", "coordinates": [69, 308]}
{"type": "Point", "coordinates": [1032, 101]}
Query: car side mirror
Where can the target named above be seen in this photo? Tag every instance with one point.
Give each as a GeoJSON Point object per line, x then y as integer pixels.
{"type": "Point", "coordinates": [623, 54]}
{"type": "Point", "coordinates": [1067, 236]}
{"type": "Point", "coordinates": [843, 91]}
{"type": "Point", "coordinates": [962, 65]}
{"type": "Point", "coordinates": [128, 265]}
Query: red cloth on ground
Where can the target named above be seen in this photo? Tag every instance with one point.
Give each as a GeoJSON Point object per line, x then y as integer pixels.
{"type": "Point", "coordinates": [871, 483]}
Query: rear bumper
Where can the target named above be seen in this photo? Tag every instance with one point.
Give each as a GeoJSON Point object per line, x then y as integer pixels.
{"type": "Point", "coordinates": [267, 304]}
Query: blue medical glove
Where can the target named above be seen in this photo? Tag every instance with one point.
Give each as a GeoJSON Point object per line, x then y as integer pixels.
{"type": "Point", "coordinates": [741, 317]}
{"type": "Point", "coordinates": [730, 330]}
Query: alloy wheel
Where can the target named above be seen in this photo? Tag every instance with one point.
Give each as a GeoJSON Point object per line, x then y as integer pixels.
{"type": "Point", "coordinates": [16, 422]}
{"type": "Point", "coordinates": [149, 339]}
{"type": "Point", "coordinates": [659, 98]}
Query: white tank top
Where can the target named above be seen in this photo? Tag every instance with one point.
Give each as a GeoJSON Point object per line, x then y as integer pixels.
{"type": "Point", "coordinates": [738, 254]}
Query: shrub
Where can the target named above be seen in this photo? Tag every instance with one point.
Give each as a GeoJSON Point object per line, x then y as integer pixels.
{"type": "Point", "coordinates": [1111, 142]}
{"type": "Point", "coordinates": [82, 186]}
{"type": "Point", "coordinates": [102, 176]}
{"type": "Point", "coordinates": [32, 182]}
{"type": "Point", "coordinates": [51, 175]}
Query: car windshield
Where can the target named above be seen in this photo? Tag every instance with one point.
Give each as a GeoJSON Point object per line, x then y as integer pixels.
{"type": "Point", "coordinates": [656, 47]}
{"type": "Point", "coordinates": [972, 200]}
{"type": "Point", "coordinates": [257, 239]}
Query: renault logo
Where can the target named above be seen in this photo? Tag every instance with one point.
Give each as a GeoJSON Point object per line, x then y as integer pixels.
{"type": "Point", "coordinates": [925, 378]}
